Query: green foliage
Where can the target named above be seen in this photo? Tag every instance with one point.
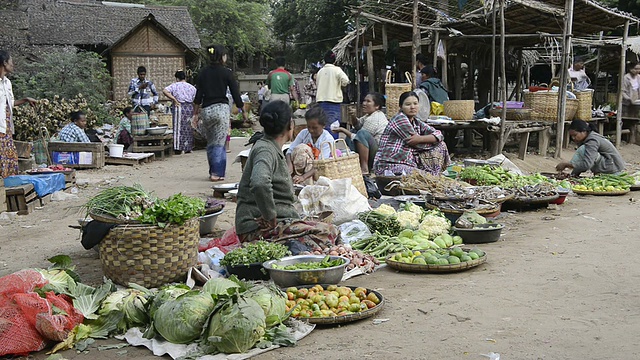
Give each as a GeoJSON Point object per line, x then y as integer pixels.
{"type": "Point", "coordinates": [174, 210]}
{"type": "Point", "coordinates": [64, 74]}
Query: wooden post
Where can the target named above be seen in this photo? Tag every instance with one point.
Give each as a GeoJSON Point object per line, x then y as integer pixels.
{"type": "Point", "coordinates": [445, 65]}
{"type": "Point", "coordinates": [623, 60]}
{"type": "Point", "coordinates": [458, 76]}
{"type": "Point", "coordinates": [564, 72]}
{"type": "Point", "coordinates": [357, 60]}
{"type": "Point", "coordinates": [415, 46]}
{"type": "Point", "coordinates": [492, 95]}
{"type": "Point", "coordinates": [471, 74]}
{"type": "Point", "coordinates": [371, 68]}
{"type": "Point", "coordinates": [595, 85]}
{"type": "Point", "coordinates": [519, 77]}
{"type": "Point", "coordinates": [503, 80]}
{"type": "Point", "coordinates": [385, 41]}
{"type": "Point", "coordinates": [436, 41]}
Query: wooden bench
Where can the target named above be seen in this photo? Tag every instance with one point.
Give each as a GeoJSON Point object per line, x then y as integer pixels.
{"type": "Point", "coordinates": [3, 196]}
{"type": "Point", "coordinates": [131, 159]}
{"type": "Point", "coordinates": [160, 145]}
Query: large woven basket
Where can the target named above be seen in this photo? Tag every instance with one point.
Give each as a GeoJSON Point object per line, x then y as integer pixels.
{"type": "Point", "coordinates": [459, 109]}
{"type": "Point", "coordinates": [544, 105]}
{"type": "Point", "coordinates": [149, 255]}
{"type": "Point", "coordinates": [393, 92]}
{"type": "Point", "coordinates": [513, 114]}
{"type": "Point", "coordinates": [585, 99]}
{"type": "Point", "coordinates": [343, 167]}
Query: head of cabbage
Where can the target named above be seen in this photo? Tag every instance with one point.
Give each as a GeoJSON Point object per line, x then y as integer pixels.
{"type": "Point", "coordinates": [181, 321]}
{"type": "Point", "coordinates": [272, 301]}
{"type": "Point", "coordinates": [132, 303]}
{"type": "Point", "coordinates": [237, 326]}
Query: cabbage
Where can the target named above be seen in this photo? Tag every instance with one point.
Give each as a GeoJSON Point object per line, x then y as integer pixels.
{"type": "Point", "coordinates": [220, 286]}
{"type": "Point", "coordinates": [180, 321]}
{"type": "Point", "coordinates": [132, 303]}
{"type": "Point", "coordinates": [272, 301]}
{"type": "Point", "coordinates": [237, 326]}
{"type": "Point", "coordinates": [166, 293]}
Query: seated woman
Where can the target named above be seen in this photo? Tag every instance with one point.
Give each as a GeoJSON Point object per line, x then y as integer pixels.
{"type": "Point", "coordinates": [594, 152]}
{"type": "Point", "coordinates": [123, 136]}
{"type": "Point", "coordinates": [306, 147]}
{"type": "Point", "coordinates": [368, 130]}
{"type": "Point", "coordinates": [74, 131]}
{"type": "Point", "coordinates": [265, 194]}
{"type": "Point", "coordinates": [408, 144]}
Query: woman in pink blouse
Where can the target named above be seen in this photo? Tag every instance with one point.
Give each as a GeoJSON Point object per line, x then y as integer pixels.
{"type": "Point", "coordinates": [182, 94]}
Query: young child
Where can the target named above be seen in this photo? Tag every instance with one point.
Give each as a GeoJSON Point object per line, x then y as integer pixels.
{"type": "Point", "coordinates": [307, 147]}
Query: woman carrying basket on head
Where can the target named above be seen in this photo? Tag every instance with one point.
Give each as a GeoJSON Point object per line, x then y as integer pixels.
{"type": "Point", "coordinates": [409, 144]}
{"type": "Point", "coordinates": [265, 194]}
{"type": "Point", "coordinates": [212, 108]}
{"type": "Point", "coordinates": [181, 93]}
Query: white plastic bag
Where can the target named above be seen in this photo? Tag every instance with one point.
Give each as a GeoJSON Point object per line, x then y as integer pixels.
{"type": "Point", "coordinates": [339, 196]}
{"type": "Point", "coordinates": [354, 230]}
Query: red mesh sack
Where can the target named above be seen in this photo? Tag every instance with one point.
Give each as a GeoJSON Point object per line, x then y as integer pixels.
{"type": "Point", "coordinates": [17, 337]}
{"type": "Point", "coordinates": [53, 327]}
{"type": "Point", "coordinates": [21, 282]}
{"type": "Point", "coordinates": [65, 303]}
{"type": "Point", "coordinates": [31, 305]}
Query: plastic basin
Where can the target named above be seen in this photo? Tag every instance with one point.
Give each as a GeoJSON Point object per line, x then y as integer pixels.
{"type": "Point", "coordinates": [480, 234]}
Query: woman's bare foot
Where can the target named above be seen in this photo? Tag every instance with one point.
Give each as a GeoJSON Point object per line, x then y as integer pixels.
{"type": "Point", "coordinates": [216, 178]}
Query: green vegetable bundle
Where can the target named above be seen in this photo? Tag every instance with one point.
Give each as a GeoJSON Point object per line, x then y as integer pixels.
{"type": "Point", "coordinates": [311, 265]}
{"type": "Point", "coordinates": [176, 209]}
{"type": "Point", "coordinates": [380, 223]}
{"type": "Point", "coordinates": [122, 202]}
{"type": "Point", "coordinates": [257, 252]}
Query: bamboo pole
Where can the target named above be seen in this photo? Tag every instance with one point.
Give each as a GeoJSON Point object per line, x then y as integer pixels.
{"type": "Point", "coordinates": [595, 85]}
{"type": "Point", "coordinates": [357, 60]}
{"type": "Point", "coordinates": [503, 78]}
{"type": "Point", "coordinates": [562, 90]}
{"type": "Point", "coordinates": [623, 60]}
{"type": "Point", "coordinates": [371, 68]}
{"type": "Point", "coordinates": [519, 77]}
{"type": "Point", "coordinates": [492, 95]}
{"type": "Point", "coordinates": [416, 41]}
{"type": "Point", "coordinates": [435, 49]}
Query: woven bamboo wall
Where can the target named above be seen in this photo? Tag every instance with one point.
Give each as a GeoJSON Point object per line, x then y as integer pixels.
{"type": "Point", "coordinates": [150, 48]}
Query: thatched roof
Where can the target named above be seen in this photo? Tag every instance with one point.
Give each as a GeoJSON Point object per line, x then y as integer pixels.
{"type": "Point", "coordinates": [90, 22]}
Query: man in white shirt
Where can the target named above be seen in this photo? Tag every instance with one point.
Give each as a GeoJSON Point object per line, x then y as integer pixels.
{"type": "Point", "coordinates": [578, 76]}
{"type": "Point", "coordinates": [330, 80]}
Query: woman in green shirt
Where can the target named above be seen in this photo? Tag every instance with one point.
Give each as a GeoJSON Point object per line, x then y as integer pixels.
{"type": "Point", "coordinates": [265, 194]}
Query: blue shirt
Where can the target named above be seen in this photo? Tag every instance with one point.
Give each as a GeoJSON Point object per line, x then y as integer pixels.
{"type": "Point", "coordinates": [73, 134]}
{"type": "Point", "coordinates": [305, 138]}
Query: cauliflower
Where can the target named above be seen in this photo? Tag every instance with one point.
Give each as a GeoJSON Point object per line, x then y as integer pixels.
{"type": "Point", "coordinates": [385, 209]}
{"type": "Point", "coordinates": [408, 219]}
{"type": "Point", "coordinates": [434, 225]}
{"type": "Point", "coordinates": [409, 206]}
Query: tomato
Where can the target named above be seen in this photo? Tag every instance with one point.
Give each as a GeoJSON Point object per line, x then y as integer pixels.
{"type": "Point", "coordinates": [291, 295]}
{"type": "Point", "coordinates": [354, 307]}
{"type": "Point", "coordinates": [344, 291]}
{"type": "Point", "coordinates": [361, 292]}
{"type": "Point", "coordinates": [353, 299]}
{"type": "Point", "coordinates": [302, 293]}
{"type": "Point", "coordinates": [332, 287]}
{"type": "Point", "coordinates": [370, 304]}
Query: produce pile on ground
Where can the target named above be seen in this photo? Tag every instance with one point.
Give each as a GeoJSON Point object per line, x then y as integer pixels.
{"type": "Point", "coordinates": [365, 262]}
{"type": "Point", "coordinates": [256, 252]}
{"type": "Point", "coordinates": [226, 315]}
{"type": "Point", "coordinates": [317, 302]}
{"type": "Point", "coordinates": [436, 185]}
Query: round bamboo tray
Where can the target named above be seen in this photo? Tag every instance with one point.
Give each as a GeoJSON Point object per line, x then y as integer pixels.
{"type": "Point", "coordinates": [149, 255]}
{"type": "Point", "coordinates": [333, 320]}
{"type": "Point", "coordinates": [493, 209]}
{"type": "Point", "coordinates": [532, 201]}
{"type": "Point", "coordinates": [602, 193]}
{"type": "Point", "coordinates": [635, 188]}
{"type": "Point", "coordinates": [420, 268]}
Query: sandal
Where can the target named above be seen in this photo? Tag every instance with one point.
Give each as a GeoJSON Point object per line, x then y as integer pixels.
{"type": "Point", "coordinates": [216, 178]}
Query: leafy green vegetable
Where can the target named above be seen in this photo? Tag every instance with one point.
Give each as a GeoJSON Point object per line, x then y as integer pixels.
{"type": "Point", "coordinates": [166, 293]}
{"type": "Point", "coordinates": [176, 209]}
{"type": "Point", "coordinates": [237, 326]}
{"type": "Point", "coordinates": [382, 223]}
{"type": "Point", "coordinates": [220, 287]}
{"type": "Point", "coordinates": [252, 253]}
{"type": "Point", "coordinates": [273, 302]}
{"type": "Point", "coordinates": [87, 299]}
{"type": "Point", "coordinates": [132, 303]}
{"type": "Point", "coordinates": [310, 265]}
{"type": "Point", "coordinates": [181, 321]}
{"type": "Point", "coordinates": [59, 281]}
{"type": "Point", "coordinates": [122, 202]}
{"type": "Point", "coordinates": [277, 335]}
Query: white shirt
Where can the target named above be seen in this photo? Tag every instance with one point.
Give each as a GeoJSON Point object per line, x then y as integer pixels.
{"type": "Point", "coordinates": [305, 138]}
{"type": "Point", "coordinates": [6, 99]}
{"type": "Point", "coordinates": [330, 81]}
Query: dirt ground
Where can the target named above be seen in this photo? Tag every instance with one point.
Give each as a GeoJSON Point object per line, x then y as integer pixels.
{"type": "Point", "coordinates": [560, 284]}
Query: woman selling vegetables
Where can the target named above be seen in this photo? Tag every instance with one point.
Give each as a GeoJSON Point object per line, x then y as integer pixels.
{"type": "Point", "coordinates": [408, 144]}
{"type": "Point", "coordinates": [594, 152]}
{"type": "Point", "coordinates": [265, 194]}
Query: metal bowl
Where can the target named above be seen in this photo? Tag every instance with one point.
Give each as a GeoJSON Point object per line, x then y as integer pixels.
{"type": "Point", "coordinates": [480, 234]}
{"type": "Point", "coordinates": [208, 222]}
{"type": "Point", "coordinates": [286, 278]}
{"type": "Point", "coordinates": [157, 130]}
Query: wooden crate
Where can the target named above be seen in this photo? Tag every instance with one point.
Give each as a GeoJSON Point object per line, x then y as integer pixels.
{"type": "Point", "coordinates": [3, 196]}
{"type": "Point", "coordinates": [22, 199]}
{"type": "Point", "coordinates": [96, 150]}
{"type": "Point", "coordinates": [23, 148]}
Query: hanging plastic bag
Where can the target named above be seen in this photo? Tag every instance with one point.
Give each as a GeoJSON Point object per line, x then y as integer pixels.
{"type": "Point", "coordinates": [354, 230]}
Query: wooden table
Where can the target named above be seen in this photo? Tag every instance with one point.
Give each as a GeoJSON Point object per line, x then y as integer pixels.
{"type": "Point", "coordinates": [599, 121]}
{"type": "Point", "coordinates": [161, 145]}
{"type": "Point", "coordinates": [491, 134]}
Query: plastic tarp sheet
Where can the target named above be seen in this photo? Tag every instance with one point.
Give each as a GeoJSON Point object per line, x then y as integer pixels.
{"type": "Point", "coordinates": [44, 184]}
